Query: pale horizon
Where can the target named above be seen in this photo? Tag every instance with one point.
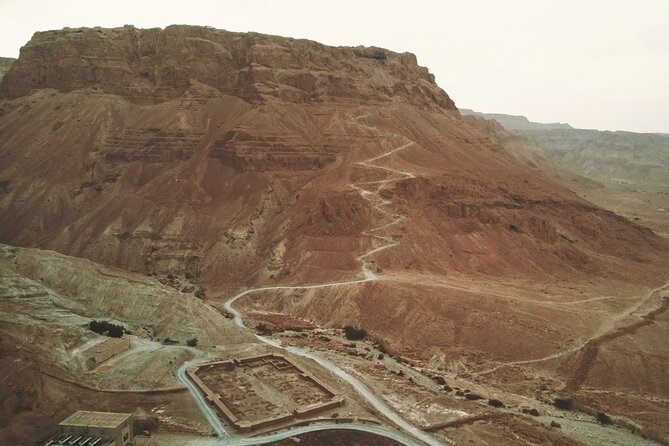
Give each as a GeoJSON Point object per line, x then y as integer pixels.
{"type": "Point", "coordinates": [600, 65]}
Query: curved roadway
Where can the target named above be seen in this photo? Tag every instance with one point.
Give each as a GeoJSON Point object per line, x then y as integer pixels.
{"type": "Point", "coordinates": [368, 275]}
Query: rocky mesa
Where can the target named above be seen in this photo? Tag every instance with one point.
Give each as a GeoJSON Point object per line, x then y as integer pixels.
{"type": "Point", "coordinates": [216, 161]}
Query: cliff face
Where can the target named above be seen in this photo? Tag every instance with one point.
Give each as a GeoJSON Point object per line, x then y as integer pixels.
{"type": "Point", "coordinates": [515, 122]}
{"type": "Point", "coordinates": [152, 65]}
{"type": "Point", "coordinates": [227, 158]}
{"type": "Point", "coordinates": [5, 64]}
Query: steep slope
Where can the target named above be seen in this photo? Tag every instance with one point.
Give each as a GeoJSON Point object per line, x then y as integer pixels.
{"type": "Point", "coordinates": [46, 303]}
{"type": "Point", "coordinates": [135, 147]}
{"type": "Point", "coordinates": [219, 161]}
{"type": "Point", "coordinates": [5, 63]}
{"type": "Point", "coordinates": [627, 170]}
{"type": "Point", "coordinates": [613, 157]}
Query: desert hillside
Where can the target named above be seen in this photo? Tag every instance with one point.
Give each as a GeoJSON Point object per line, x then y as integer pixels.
{"type": "Point", "coordinates": [516, 122]}
{"type": "Point", "coordinates": [627, 170]}
{"type": "Point", "coordinates": [149, 146]}
{"type": "Point", "coordinates": [193, 182]}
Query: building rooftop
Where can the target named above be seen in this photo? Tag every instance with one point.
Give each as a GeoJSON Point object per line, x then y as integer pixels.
{"type": "Point", "coordinates": [95, 419]}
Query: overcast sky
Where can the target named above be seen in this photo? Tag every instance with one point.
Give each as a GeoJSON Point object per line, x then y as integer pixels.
{"type": "Point", "coordinates": [593, 63]}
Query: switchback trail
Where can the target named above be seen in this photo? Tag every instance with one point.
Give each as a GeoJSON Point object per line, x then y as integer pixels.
{"type": "Point", "coordinates": [367, 275]}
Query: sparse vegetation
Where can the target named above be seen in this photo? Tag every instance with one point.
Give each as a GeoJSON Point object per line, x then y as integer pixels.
{"type": "Point", "coordinates": [354, 334]}
{"type": "Point", "coordinates": [192, 342]}
{"type": "Point", "coordinates": [170, 341]}
{"type": "Point", "coordinates": [495, 403]}
{"type": "Point", "coordinates": [381, 356]}
{"type": "Point", "coordinates": [563, 403]}
{"type": "Point", "coordinates": [439, 380]}
{"type": "Point", "coordinates": [603, 418]}
{"type": "Point", "coordinates": [263, 329]}
{"type": "Point", "coordinates": [473, 397]}
{"type": "Point", "coordinates": [514, 228]}
{"type": "Point", "coordinates": [371, 53]}
{"type": "Point", "coordinates": [107, 328]}
{"type": "Point", "coordinates": [533, 412]}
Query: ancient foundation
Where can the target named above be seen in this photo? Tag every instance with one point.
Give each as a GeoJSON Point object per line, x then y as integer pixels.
{"type": "Point", "coordinates": [262, 391]}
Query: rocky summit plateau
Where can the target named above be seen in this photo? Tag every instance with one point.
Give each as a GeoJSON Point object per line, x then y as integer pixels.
{"type": "Point", "coordinates": [321, 228]}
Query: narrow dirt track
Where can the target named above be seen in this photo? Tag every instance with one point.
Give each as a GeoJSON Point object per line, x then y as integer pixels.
{"type": "Point", "coordinates": [590, 347]}
{"type": "Point", "coordinates": [367, 275]}
{"type": "Point", "coordinates": [589, 353]}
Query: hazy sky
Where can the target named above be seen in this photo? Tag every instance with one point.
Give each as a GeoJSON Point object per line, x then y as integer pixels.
{"type": "Point", "coordinates": [593, 63]}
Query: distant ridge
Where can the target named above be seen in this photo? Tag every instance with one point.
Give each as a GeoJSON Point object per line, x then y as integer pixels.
{"type": "Point", "coordinates": [514, 122]}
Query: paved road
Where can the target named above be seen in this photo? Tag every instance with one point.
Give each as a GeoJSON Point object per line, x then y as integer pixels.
{"type": "Point", "coordinates": [277, 436]}
{"type": "Point", "coordinates": [205, 408]}
{"type": "Point", "coordinates": [368, 275]}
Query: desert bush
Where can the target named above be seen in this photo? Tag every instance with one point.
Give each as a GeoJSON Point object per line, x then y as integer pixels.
{"type": "Point", "coordinates": [603, 418]}
{"type": "Point", "coordinates": [192, 342]}
{"type": "Point", "coordinates": [263, 329]}
{"type": "Point", "coordinates": [354, 334]}
{"type": "Point", "coordinates": [106, 327]}
{"type": "Point", "coordinates": [533, 412]}
{"type": "Point", "coordinates": [473, 397]}
{"type": "Point", "coordinates": [439, 380]}
{"type": "Point", "coordinates": [495, 403]}
{"type": "Point", "coordinates": [371, 53]}
{"type": "Point", "coordinates": [563, 403]}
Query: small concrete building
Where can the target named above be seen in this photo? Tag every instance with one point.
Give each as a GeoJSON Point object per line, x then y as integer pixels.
{"type": "Point", "coordinates": [104, 350]}
{"type": "Point", "coordinates": [84, 428]}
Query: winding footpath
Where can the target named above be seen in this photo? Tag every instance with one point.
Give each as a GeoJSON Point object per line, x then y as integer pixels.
{"type": "Point", "coordinates": [378, 203]}
{"type": "Point", "coordinates": [607, 331]}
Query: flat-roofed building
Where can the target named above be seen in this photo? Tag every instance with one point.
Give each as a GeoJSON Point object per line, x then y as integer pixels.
{"type": "Point", "coordinates": [84, 428]}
